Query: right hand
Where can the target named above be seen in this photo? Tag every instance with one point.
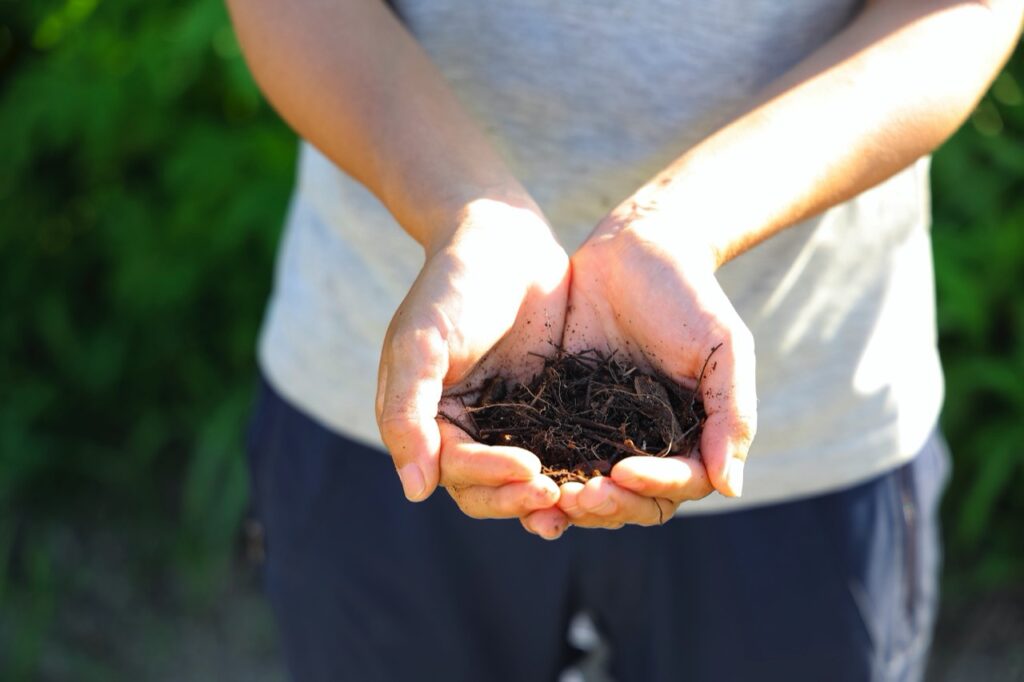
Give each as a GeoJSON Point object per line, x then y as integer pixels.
{"type": "Point", "coordinates": [490, 298]}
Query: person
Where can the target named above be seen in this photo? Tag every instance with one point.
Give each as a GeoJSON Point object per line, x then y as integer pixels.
{"type": "Point", "coordinates": [721, 174]}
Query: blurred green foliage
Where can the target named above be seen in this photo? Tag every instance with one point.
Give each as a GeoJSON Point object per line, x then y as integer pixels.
{"type": "Point", "coordinates": [978, 197]}
{"type": "Point", "coordinates": [142, 185]}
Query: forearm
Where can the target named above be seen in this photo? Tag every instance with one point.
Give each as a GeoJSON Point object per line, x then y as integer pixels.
{"type": "Point", "coordinates": [350, 79]}
{"type": "Point", "coordinates": [890, 88]}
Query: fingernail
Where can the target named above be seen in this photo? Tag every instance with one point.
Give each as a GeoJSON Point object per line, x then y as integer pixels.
{"type": "Point", "coordinates": [734, 476]}
{"type": "Point", "coordinates": [412, 481]}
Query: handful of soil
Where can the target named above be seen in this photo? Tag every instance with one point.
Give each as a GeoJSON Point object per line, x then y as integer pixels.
{"type": "Point", "coordinates": [585, 412]}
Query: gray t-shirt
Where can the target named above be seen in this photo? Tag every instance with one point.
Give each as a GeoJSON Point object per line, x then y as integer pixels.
{"type": "Point", "coordinates": [587, 100]}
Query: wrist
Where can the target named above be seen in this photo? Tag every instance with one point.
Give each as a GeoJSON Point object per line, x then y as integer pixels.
{"type": "Point", "coordinates": [506, 237]}
{"type": "Point", "coordinates": [658, 217]}
{"type": "Point", "coordinates": [499, 213]}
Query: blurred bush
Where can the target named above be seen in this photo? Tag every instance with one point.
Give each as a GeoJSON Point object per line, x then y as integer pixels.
{"type": "Point", "coordinates": [978, 196]}
{"type": "Point", "coordinates": [142, 185]}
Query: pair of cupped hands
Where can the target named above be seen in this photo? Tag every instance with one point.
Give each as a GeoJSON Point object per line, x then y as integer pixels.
{"type": "Point", "coordinates": [497, 292]}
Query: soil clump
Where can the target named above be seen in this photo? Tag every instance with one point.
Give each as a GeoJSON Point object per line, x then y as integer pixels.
{"type": "Point", "coordinates": [586, 411]}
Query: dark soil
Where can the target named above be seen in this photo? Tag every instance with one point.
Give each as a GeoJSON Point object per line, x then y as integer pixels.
{"type": "Point", "coordinates": [587, 411]}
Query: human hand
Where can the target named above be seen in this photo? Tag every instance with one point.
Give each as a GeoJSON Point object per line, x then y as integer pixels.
{"type": "Point", "coordinates": [491, 298]}
{"type": "Point", "coordinates": [646, 289]}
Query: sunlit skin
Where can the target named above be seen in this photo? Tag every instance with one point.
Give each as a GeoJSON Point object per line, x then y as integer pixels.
{"type": "Point", "coordinates": [517, 302]}
{"type": "Point", "coordinates": [889, 88]}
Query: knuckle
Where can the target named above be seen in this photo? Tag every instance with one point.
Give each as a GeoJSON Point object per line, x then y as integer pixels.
{"type": "Point", "coordinates": [397, 429]}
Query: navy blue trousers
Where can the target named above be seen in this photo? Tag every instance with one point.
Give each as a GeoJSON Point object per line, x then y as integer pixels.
{"type": "Point", "coordinates": [366, 586]}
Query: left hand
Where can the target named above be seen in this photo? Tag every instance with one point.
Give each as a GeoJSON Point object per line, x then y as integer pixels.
{"type": "Point", "coordinates": [646, 288]}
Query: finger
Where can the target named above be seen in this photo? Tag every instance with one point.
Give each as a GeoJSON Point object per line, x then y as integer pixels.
{"type": "Point", "coordinates": [675, 478]}
{"type": "Point", "coordinates": [568, 499]}
{"type": "Point", "coordinates": [548, 523]}
{"type": "Point", "coordinates": [607, 505]}
{"type": "Point", "coordinates": [507, 501]}
{"type": "Point", "coordinates": [464, 462]}
{"type": "Point", "coordinates": [724, 447]}
{"type": "Point", "coordinates": [728, 389]}
{"type": "Point", "coordinates": [413, 367]}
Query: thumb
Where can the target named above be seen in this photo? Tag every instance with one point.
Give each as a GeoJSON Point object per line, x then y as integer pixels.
{"type": "Point", "coordinates": [730, 399]}
{"type": "Point", "coordinates": [410, 382]}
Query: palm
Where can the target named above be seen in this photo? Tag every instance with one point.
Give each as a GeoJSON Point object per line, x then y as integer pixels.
{"type": "Point", "coordinates": [642, 307]}
{"type": "Point", "coordinates": [513, 351]}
